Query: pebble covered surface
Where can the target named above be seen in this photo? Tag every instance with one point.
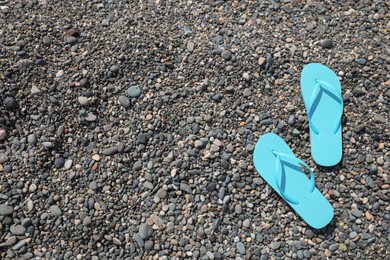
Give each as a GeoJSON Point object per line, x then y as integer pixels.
{"type": "Point", "coordinates": [127, 128]}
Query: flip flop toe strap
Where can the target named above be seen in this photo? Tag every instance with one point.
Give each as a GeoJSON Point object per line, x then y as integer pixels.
{"type": "Point", "coordinates": [322, 86]}
{"type": "Point", "coordinates": [279, 174]}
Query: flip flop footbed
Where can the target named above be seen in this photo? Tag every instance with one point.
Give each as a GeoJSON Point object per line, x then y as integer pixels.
{"type": "Point", "coordinates": [278, 166]}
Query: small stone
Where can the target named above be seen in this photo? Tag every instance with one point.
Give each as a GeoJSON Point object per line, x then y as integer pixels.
{"type": "Point", "coordinates": [261, 61]}
{"type": "Point", "coordinates": [359, 128]}
{"type": "Point", "coordinates": [114, 68]}
{"type": "Point", "coordinates": [60, 73]}
{"type": "Point", "coordinates": [96, 157]}
{"type": "Point", "coordinates": [291, 120]}
{"type": "Point", "coordinates": [68, 164]}
{"type": "Point", "coordinates": [362, 61]}
{"type": "Point", "coordinates": [32, 139]}
{"type": "Point", "coordinates": [373, 169]}
{"type": "Point", "coordinates": [59, 163]}
{"type": "Point", "coordinates": [110, 151]}
{"type": "Point", "coordinates": [3, 135]}
{"type": "Point", "coordinates": [145, 231]}
{"type": "Point", "coordinates": [90, 117]}
{"type": "Point", "coordinates": [55, 210]}
{"type": "Point", "coordinates": [137, 166]}
{"type": "Point", "coordinates": [240, 248]}
{"type": "Point", "coordinates": [246, 223]}
{"type": "Point", "coordinates": [275, 245]}
{"type": "Point", "coordinates": [34, 90]}
{"type": "Point", "coordinates": [18, 230]}
{"type": "Point", "coordinates": [6, 210]}
{"type": "Point", "coordinates": [326, 43]}
{"type": "Point", "coordinates": [342, 247]}
{"type": "Point", "coordinates": [71, 40]}
{"type": "Point", "coordinates": [357, 213]}
{"type": "Point", "coordinates": [226, 54]}
{"type": "Point", "coordinates": [124, 101]}
{"type": "Point", "coordinates": [149, 245]}
{"type": "Point", "coordinates": [353, 234]}
{"type": "Point", "coordinates": [134, 91]}
{"type": "Point", "coordinates": [10, 103]}
{"type": "Point", "coordinates": [161, 193]}
{"type": "Point", "coordinates": [190, 46]}
{"type": "Point", "coordinates": [246, 77]}
{"type": "Point", "coordinates": [84, 101]}
{"type": "Point", "coordinates": [379, 118]}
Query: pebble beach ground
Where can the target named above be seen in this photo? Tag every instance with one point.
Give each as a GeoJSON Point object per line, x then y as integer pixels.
{"type": "Point", "coordinates": [127, 128]}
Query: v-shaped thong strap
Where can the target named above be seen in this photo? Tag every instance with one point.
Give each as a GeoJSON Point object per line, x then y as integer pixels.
{"type": "Point", "coordinates": [322, 86]}
{"type": "Point", "coordinates": [279, 174]}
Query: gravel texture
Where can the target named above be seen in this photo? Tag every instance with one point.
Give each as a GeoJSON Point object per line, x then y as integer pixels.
{"type": "Point", "coordinates": [127, 128]}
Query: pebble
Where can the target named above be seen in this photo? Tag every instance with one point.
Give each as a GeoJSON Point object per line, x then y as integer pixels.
{"type": "Point", "coordinates": [68, 164]}
{"type": "Point", "coordinates": [60, 73]}
{"type": "Point", "coordinates": [190, 46]}
{"type": "Point", "coordinates": [84, 101]}
{"type": "Point", "coordinates": [55, 210]}
{"type": "Point", "coordinates": [240, 248]}
{"type": "Point", "coordinates": [327, 43]}
{"type": "Point", "coordinates": [275, 245]}
{"type": "Point", "coordinates": [261, 61]}
{"type": "Point", "coordinates": [59, 163]}
{"type": "Point", "coordinates": [32, 139]}
{"type": "Point", "coordinates": [226, 54]}
{"type": "Point", "coordinates": [90, 117]}
{"type": "Point", "coordinates": [357, 213]}
{"type": "Point", "coordinates": [3, 135]}
{"type": "Point", "coordinates": [6, 210]}
{"type": "Point", "coordinates": [10, 103]}
{"type": "Point", "coordinates": [134, 91]}
{"type": "Point", "coordinates": [124, 101]}
{"type": "Point", "coordinates": [34, 90]}
{"type": "Point", "coordinates": [110, 151]}
{"type": "Point", "coordinates": [18, 230]}
{"type": "Point", "coordinates": [145, 231]}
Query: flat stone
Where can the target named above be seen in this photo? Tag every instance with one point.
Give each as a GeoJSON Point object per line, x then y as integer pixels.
{"type": "Point", "coordinates": [35, 90]}
{"type": "Point", "coordinates": [124, 101]}
{"type": "Point", "coordinates": [6, 210]}
{"type": "Point", "coordinates": [3, 158]}
{"type": "Point", "coordinates": [145, 231]}
{"type": "Point", "coordinates": [240, 248]}
{"type": "Point", "coordinates": [90, 117]}
{"type": "Point", "coordinates": [18, 230]}
{"type": "Point", "coordinates": [134, 91]}
{"type": "Point", "coordinates": [110, 151]}
{"type": "Point", "coordinates": [275, 245]}
{"type": "Point", "coordinates": [84, 101]}
{"type": "Point", "coordinates": [190, 46]}
{"type": "Point", "coordinates": [226, 54]}
{"type": "Point", "coordinates": [55, 210]}
{"type": "Point", "coordinates": [357, 213]}
{"type": "Point", "coordinates": [326, 43]}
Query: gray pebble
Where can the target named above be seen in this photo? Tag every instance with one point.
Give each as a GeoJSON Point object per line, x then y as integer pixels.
{"type": "Point", "coordinates": [326, 43]}
{"type": "Point", "coordinates": [226, 54]}
{"type": "Point", "coordinates": [145, 231]}
{"type": "Point", "coordinates": [3, 158]}
{"type": "Point", "coordinates": [134, 91]}
{"type": "Point", "coordinates": [55, 210]}
{"type": "Point", "coordinates": [240, 248]}
{"type": "Point", "coordinates": [32, 139]}
{"type": "Point", "coordinates": [275, 245]}
{"type": "Point", "coordinates": [110, 151]}
{"type": "Point", "coordinates": [190, 46]}
{"type": "Point", "coordinates": [10, 103]}
{"type": "Point", "coordinates": [357, 213]}
{"type": "Point", "coordinates": [124, 101]}
{"type": "Point", "coordinates": [18, 230]}
{"type": "Point", "coordinates": [90, 117]}
{"type": "Point", "coordinates": [149, 245]}
{"type": "Point", "coordinates": [59, 163]}
{"type": "Point", "coordinates": [161, 193]}
{"type": "Point", "coordinates": [6, 210]}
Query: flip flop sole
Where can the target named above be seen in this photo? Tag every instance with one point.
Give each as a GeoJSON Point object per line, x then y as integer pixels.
{"type": "Point", "coordinates": [313, 207]}
{"type": "Point", "coordinates": [326, 145]}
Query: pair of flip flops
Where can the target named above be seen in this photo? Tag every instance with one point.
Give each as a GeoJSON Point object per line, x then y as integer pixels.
{"type": "Point", "coordinates": [280, 168]}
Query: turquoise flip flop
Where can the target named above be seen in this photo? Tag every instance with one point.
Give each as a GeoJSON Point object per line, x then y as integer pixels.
{"type": "Point", "coordinates": [279, 167]}
{"type": "Point", "coordinates": [321, 92]}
